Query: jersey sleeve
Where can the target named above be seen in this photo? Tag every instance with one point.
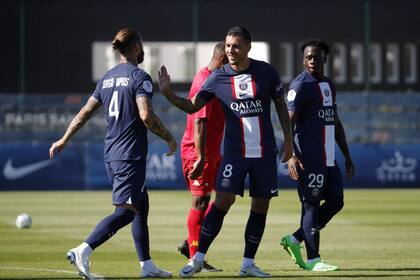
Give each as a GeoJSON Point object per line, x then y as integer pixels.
{"type": "Point", "coordinates": [96, 94]}
{"type": "Point", "coordinates": [198, 81]}
{"type": "Point", "coordinates": [294, 97]}
{"type": "Point", "coordinates": [277, 87]}
{"type": "Point", "coordinates": [208, 90]}
{"type": "Point", "coordinates": [143, 86]}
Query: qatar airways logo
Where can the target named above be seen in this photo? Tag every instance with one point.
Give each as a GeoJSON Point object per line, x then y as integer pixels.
{"type": "Point", "coordinates": [247, 107]}
{"type": "Point", "coordinates": [327, 115]}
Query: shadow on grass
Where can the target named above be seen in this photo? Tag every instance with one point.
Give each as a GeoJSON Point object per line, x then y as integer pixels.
{"type": "Point", "coordinates": [333, 274]}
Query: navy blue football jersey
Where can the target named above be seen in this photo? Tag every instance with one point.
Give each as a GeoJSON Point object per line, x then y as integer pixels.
{"type": "Point", "coordinates": [314, 133]}
{"type": "Point", "coordinates": [245, 97]}
{"type": "Point", "coordinates": [126, 135]}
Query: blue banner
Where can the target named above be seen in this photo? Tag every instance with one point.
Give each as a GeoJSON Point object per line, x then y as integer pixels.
{"type": "Point", "coordinates": [81, 166]}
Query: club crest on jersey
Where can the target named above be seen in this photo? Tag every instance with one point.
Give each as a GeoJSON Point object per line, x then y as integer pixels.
{"type": "Point", "coordinates": [291, 95]}
{"type": "Point", "coordinates": [325, 94]}
{"type": "Point", "coordinates": [243, 86]}
{"type": "Point", "coordinates": [147, 85]}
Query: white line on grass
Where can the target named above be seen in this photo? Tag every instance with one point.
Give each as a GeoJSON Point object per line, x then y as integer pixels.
{"type": "Point", "coordinates": [48, 270]}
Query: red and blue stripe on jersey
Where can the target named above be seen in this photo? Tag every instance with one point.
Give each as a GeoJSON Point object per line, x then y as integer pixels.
{"type": "Point", "coordinates": [245, 97]}
{"type": "Point", "coordinates": [314, 102]}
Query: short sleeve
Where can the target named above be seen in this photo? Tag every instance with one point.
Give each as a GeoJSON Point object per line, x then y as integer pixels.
{"type": "Point", "coordinates": [277, 88]}
{"type": "Point", "coordinates": [204, 112]}
{"type": "Point", "coordinates": [96, 94]}
{"type": "Point", "coordinates": [143, 86]}
{"type": "Point", "coordinates": [208, 90]}
{"type": "Point", "coordinates": [294, 97]}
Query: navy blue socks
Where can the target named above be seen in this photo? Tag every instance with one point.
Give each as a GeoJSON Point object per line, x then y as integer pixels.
{"type": "Point", "coordinates": [253, 233]}
{"type": "Point", "coordinates": [210, 229]}
{"type": "Point", "coordinates": [109, 226]}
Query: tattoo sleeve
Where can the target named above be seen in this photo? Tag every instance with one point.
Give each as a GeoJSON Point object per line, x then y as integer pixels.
{"type": "Point", "coordinates": [283, 116]}
{"type": "Point", "coordinates": [151, 120]}
{"type": "Point", "coordinates": [81, 118]}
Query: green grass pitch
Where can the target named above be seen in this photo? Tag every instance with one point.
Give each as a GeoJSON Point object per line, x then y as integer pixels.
{"type": "Point", "coordinates": [376, 236]}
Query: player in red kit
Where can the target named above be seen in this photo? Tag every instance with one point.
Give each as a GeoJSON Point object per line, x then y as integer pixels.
{"type": "Point", "coordinates": [200, 154]}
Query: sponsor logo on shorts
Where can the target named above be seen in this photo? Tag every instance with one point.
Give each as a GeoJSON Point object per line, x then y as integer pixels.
{"type": "Point", "coordinates": [315, 192]}
{"type": "Point", "coordinates": [225, 182]}
{"type": "Point", "coordinates": [274, 190]}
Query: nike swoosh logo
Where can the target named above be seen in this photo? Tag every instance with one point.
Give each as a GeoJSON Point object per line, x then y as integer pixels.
{"type": "Point", "coordinates": [187, 271]}
{"type": "Point", "coordinates": [242, 94]}
{"type": "Point", "coordinates": [273, 190]}
{"type": "Point", "coordinates": [12, 173]}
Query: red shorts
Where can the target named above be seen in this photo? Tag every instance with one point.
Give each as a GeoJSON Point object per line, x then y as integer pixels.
{"type": "Point", "coordinates": [205, 183]}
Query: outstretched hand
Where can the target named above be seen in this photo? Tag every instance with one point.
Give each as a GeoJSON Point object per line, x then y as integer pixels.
{"type": "Point", "coordinates": [164, 80]}
{"type": "Point", "coordinates": [56, 147]}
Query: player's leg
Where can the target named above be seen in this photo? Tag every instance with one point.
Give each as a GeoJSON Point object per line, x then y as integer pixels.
{"type": "Point", "coordinates": [229, 183]}
{"type": "Point", "coordinates": [263, 186]}
{"type": "Point", "coordinates": [312, 188]}
{"type": "Point", "coordinates": [334, 198]}
{"type": "Point", "coordinates": [333, 195]}
{"type": "Point", "coordinates": [200, 189]}
{"type": "Point", "coordinates": [139, 200]}
{"type": "Point", "coordinates": [107, 227]}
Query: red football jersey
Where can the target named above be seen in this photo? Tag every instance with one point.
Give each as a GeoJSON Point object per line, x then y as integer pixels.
{"type": "Point", "coordinates": [215, 123]}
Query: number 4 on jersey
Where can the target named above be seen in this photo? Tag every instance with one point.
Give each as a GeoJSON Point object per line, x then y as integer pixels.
{"type": "Point", "coordinates": [113, 106]}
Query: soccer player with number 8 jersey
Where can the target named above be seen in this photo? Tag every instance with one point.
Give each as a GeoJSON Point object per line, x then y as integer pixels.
{"type": "Point", "coordinates": [245, 88]}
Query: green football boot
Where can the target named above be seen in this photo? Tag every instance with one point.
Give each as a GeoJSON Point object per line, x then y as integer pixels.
{"type": "Point", "coordinates": [320, 266]}
{"type": "Point", "coordinates": [293, 250]}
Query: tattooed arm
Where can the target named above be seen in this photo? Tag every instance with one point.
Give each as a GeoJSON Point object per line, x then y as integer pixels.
{"type": "Point", "coordinates": [78, 121]}
{"type": "Point", "coordinates": [153, 122]}
{"type": "Point", "coordinates": [284, 119]}
{"type": "Point", "coordinates": [187, 105]}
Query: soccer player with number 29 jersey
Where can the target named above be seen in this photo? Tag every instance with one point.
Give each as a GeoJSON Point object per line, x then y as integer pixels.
{"type": "Point", "coordinates": [245, 88]}
{"type": "Point", "coordinates": [125, 92]}
{"type": "Point", "coordinates": [311, 102]}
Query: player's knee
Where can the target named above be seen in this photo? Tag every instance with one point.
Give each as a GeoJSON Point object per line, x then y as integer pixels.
{"type": "Point", "coordinates": [200, 203]}
{"type": "Point", "coordinates": [224, 201]}
{"type": "Point", "coordinates": [124, 213]}
{"type": "Point", "coordinates": [260, 205]}
{"type": "Point", "coordinates": [310, 206]}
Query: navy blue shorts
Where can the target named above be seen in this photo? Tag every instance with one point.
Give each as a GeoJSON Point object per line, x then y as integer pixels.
{"type": "Point", "coordinates": [127, 179]}
{"type": "Point", "coordinates": [318, 183]}
{"type": "Point", "coordinates": [262, 176]}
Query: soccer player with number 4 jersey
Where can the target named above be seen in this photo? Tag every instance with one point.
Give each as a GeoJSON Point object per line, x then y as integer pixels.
{"type": "Point", "coordinates": [125, 92]}
{"type": "Point", "coordinates": [311, 102]}
{"type": "Point", "coordinates": [245, 88]}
